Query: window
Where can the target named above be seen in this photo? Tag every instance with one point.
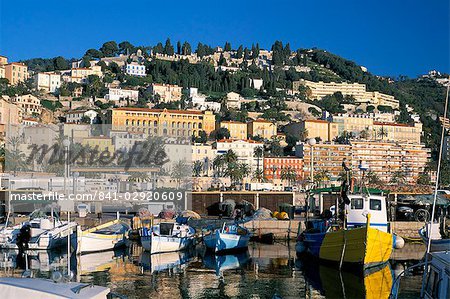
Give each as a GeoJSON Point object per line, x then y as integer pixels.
{"type": "Point", "coordinates": [357, 204]}
{"type": "Point", "coordinates": [375, 204]}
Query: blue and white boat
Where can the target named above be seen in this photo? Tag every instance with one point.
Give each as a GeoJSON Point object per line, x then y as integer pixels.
{"type": "Point", "coordinates": [228, 238]}
{"type": "Point", "coordinates": [439, 242]}
{"type": "Point", "coordinates": [167, 237]}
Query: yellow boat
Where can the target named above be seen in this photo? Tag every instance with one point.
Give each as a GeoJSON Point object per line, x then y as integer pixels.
{"type": "Point", "coordinates": [360, 243]}
{"type": "Point", "coordinates": [364, 245]}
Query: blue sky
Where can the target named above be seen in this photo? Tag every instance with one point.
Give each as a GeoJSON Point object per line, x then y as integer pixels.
{"type": "Point", "coordinates": [388, 37]}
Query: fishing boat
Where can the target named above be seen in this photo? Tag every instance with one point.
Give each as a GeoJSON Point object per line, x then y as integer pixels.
{"type": "Point", "coordinates": [362, 239]}
{"type": "Point", "coordinates": [439, 237]}
{"type": "Point", "coordinates": [228, 238]}
{"type": "Point", "coordinates": [12, 287]}
{"type": "Point", "coordinates": [107, 236]}
{"type": "Point", "coordinates": [42, 233]}
{"type": "Point", "coordinates": [167, 237]}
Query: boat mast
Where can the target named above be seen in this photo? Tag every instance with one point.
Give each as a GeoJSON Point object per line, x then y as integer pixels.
{"type": "Point", "coordinates": [436, 187]}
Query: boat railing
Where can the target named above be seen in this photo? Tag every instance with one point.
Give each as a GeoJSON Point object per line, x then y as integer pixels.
{"type": "Point", "coordinates": [396, 284]}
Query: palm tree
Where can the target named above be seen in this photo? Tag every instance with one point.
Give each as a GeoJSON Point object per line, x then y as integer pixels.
{"type": "Point", "coordinates": [218, 165]}
{"type": "Point", "coordinates": [288, 174]}
{"type": "Point", "coordinates": [259, 175]}
{"type": "Point", "coordinates": [321, 176]}
{"type": "Point", "coordinates": [382, 132]}
{"type": "Point", "coordinates": [372, 178]}
{"type": "Point", "coordinates": [180, 171]}
{"type": "Point", "coordinates": [15, 159]}
{"type": "Point", "coordinates": [258, 153]}
{"type": "Point", "coordinates": [197, 168]}
{"type": "Point", "coordinates": [364, 134]}
{"type": "Point", "coordinates": [230, 156]}
{"type": "Point", "coordinates": [274, 169]}
{"type": "Point", "coordinates": [398, 178]}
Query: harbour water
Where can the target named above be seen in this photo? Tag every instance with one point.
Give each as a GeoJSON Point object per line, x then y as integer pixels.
{"type": "Point", "coordinates": [264, 271]}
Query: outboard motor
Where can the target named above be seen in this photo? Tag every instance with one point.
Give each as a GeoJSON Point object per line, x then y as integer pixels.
{"type": "Point", "coordinates": [24, 236]}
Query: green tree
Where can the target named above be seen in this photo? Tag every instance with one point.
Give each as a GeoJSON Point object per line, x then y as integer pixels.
{"type": "Point", "coordinates": [126, 47]}
{"type": "Point", "coordinates": [197, 168]}
{"type": "Point", "coordinates": [259, 154]}
{"type": "Point", "coordinates": [60, 63]}
{"type": "Point", "coordinates": [186, 49]}
{"type": "Point", "coordinates": [227, 47]}
{"type": "Point", "coordinates": [168, 48]}
{"type": "Point", "coordinates": [220, 133]}
{"type": "Point", "coordinates": [239, 52]}
{"type": "Point", "coordinates": [94, 53]}
{"type": "Point", "coordinates": [109, 48]}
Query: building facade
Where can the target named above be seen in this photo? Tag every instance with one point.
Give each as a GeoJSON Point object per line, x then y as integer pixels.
{"type": "Point", "coordinates": [16, 72]}
{"type": "Point", "coordinates": [29, 104]}
{"type": "Point", "coordinates": [80, 75]}
{"type": "Point", "coordinates": [238, 130]}
{"type": "Point", "coordinates": [76, 117]}
{"type": "Point", "coordinates": [167, 93]}
{"type": "Point", "coordinates": [318, 90]}
{"type": "Point", "coordinates": [162, 122]}
{"type": "Point", "coordinates": [48, 82]}
{"type": "Point", "coordinates": [262, 128]}
{"type": "Point", "coordinates": [135, 69]}
{"type": "Point", "coordinates": [117, 94]}
{"type": "Point", "coordinates": [446, 148]}
{"type": "Point", "coordinates": [244, 150]}
{"type": "Point", "coordinates": [275, 167]}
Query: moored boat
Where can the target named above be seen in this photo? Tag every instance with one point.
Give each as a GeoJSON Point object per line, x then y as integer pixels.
{"type": "Point", "coordinates": [438, 241]}
{"type": "Point", "coordinates": [107, 236]}
{"type": "Point", "coordinates": [363, 241]}
{"type": "Point", "coordinates": [39, 233]}
{"type": "Point", "coordinates": [11, 287]}
{"type": "Point", "coordinates": [167, 237]}
{"type": "Point", "coordinates": [228, 238]}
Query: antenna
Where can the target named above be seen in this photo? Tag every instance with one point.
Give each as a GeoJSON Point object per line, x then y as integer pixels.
{"type": "Point", "coordinates": [436, 187]}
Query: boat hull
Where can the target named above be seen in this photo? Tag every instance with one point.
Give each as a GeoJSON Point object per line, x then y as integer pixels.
{"type": "Point", "coordinates": [160, 244]}
{"type": "Point", "coordinates": [364, 246]}
{"type": "Point", "coordinates": [93, 241]}
{"type": "Point", "coordinates": [220, 242]}
{"type": "Point", "coordinates": [436, 244]}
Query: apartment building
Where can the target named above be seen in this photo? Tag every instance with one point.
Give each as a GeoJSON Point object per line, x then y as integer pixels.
{"type": "Point", "coordinates": [262, 128]}
{"type": "Point", "coordinates": [77, 116]}
{"type": "Point", "coordinates": [275, 166]}
{"type": "Point", "coordinates": [134, 69]}
{"type": "Point", "coordinates": [16, 72]}
{"type": "Point", "coordinates": [161, 122]}
{"type": "Point", "coordinates": [117, 94]}
{"type": "Point", "coordinates": [387, 158]}
{"type": "Point", "coordinates": [327, 158]}
{"type": "Point", "coordinates": [48, 82]}
{"type": "Point", "coordinates": [384, 158]}
{"type": "Point", "coordinates": [361, 126]}
{"type": "Point", "coordinates": [238, 130]}
{"type": "Point", "coordinates": [80, 75]}
{"type": "Point", "coordinates": [312, 128]}
{"type": "Point", "coordinates": [321, 89]}
{"type": "Point", "coordinates": [29, 104]}
{"type": "Point", "coordinates": [167, 93]}
{"type": "Point", "coordinates": [244, 150]}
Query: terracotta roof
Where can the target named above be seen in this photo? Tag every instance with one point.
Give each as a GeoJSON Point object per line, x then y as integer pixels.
{"type": "Point", "coordinates": [232, 122]}
{"type": "Point", "coordinates": [158, 110]}
{"type": "Point", "coordinates": [391, 124]}
{"type": "Point", "coordinates": [316, 121]}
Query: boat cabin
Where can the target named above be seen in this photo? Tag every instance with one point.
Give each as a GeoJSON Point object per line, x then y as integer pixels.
{"type": "Point", "coordinates": [363, 204]}
{"type": "Point", "coordinates": [437, 280]}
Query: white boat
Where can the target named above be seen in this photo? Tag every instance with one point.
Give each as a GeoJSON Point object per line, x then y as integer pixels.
{"type": "Point", "coordinates": [43, 234]}
{"type": "Point", "coordinates": [107, 236]}
{"type": "Point", "coordinates": [11, 287]}
{"type": "Point", "coordinates": [167, 237]}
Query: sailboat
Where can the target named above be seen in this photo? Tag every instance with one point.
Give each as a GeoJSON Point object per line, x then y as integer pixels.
{"type": "Point", "coordinates": [361, 240]}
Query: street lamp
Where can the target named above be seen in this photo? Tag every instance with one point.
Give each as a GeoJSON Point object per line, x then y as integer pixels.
{"type": "Point", "coordinates": [66, 144]}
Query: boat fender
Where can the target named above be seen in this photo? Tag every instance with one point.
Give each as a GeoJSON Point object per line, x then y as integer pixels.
{"type": "Point", "coordinates": [399, 242]}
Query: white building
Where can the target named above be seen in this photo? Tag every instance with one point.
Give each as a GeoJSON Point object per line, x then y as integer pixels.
{"type": "Point", "coordinates": [75, 117]}
{"type": "Point", "coordinates": [199, 101]}
{"type": "Point", "coordinates": [257, 83]}
{"type": "Point", "coordinates": [244, 150]}
{"type": "Point", "coordinates": [124, 141]}
{"type": "Point", "coordinates": [29, 104]}
{"type": "Point", "coordinates": [166, 92]}
{"type": "Point", "coordinates": [135, 69]}
{"type": "Point", "coordinates": [49, 82]}
{"type": "Point", "coordinates": [116, 94]}
{"type": "Point", "coordinates": [233, 100]}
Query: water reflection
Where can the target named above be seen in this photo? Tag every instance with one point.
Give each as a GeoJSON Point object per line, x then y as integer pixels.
{"type": "Point", "coordinates": [264, 271]}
